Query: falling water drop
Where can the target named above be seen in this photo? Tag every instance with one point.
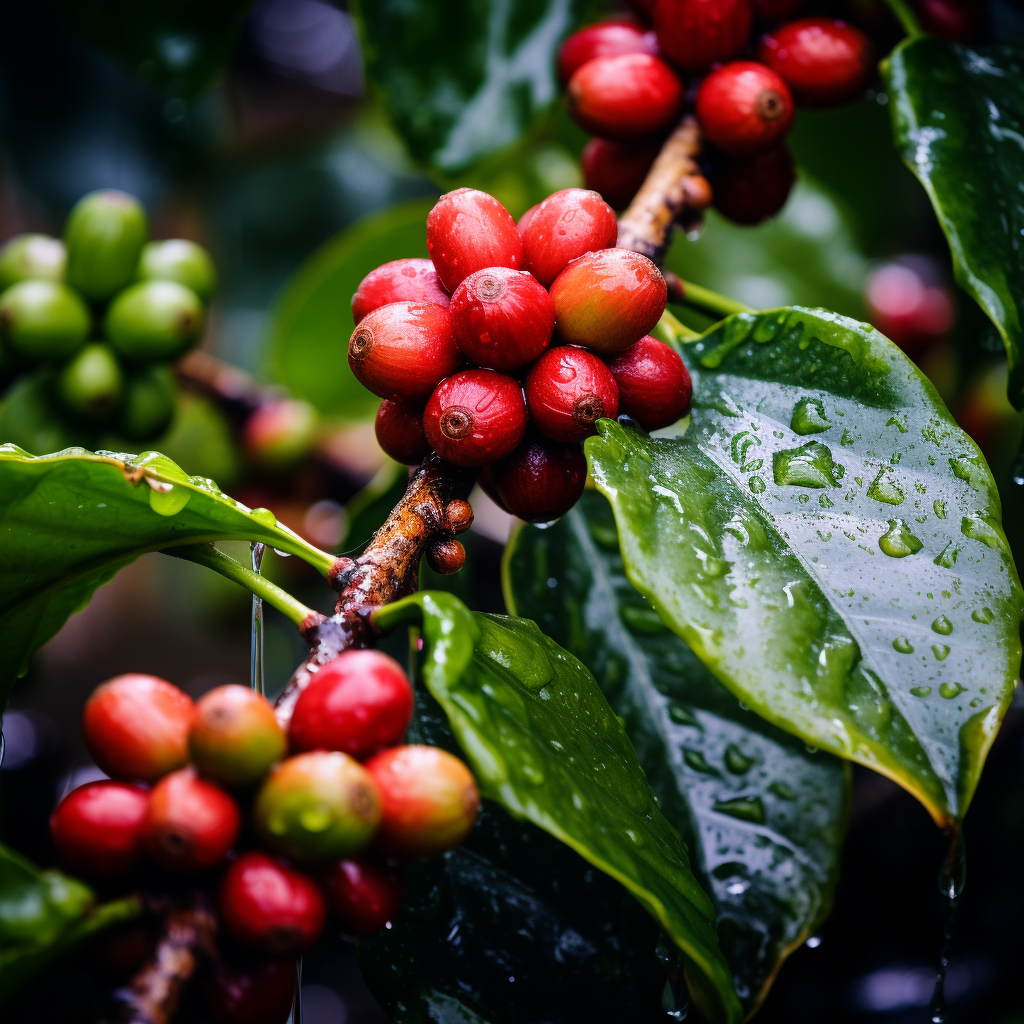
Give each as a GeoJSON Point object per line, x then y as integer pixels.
{"type": "Point", "coordinates": [295, 1017]}
{"type": "Point", "coordinates": [256, 640]}
{"type": "Point", "coordinates": [675, 1000]}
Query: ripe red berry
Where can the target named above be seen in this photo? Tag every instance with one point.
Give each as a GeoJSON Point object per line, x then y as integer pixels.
{"type": "Point", "coordinates": [502, 319]}
{"type": "Point", "coordinates": [190, 824]}
{"type": "Point", "coordinates": [359, 702]}
{"type": "Point", "coordinates": [475, 417]}
{"type": "Point", "coordinates": [567, 225]}
{"type": "Point", "coordinates": [269, 906]}
{"type": "Point", "coordinates": [258, 993]}
{"type": "Point", "coordinates": [605, 39]}
{"type": "Point", "coordinates": [568, 389]}
{"type": "Point", "coordinates": [403, 350]}
{"type": "Point", "coordinates": [607, 300]}
{"type": "Point", "coordinates": [744, 108]}
{"type": "Point", "coordinates": [698, 33]}
{"type": "Point", "coordinates": [365, 894]}
{"type": "Point", "coordinates": [525, 219]}
{"type": "Point", "coordinates": [751, 189]}
{"type": "Point", "coordinates": [823, 61]}
{"type": "Point", "coordinates": [399, 429]}
{"type": "Point", "coordinates": [541, 480]}
{"type": "Point", "coordinates": [413, 280]}
{"type": "Point", "coordinates": [97, 828]}
{"type": "Point", "coordinates": [958, 21]}
{"type": "Point", "coordinates": [468, 230]}
{"type": "Point", "coordinates": [624, 97]}
{"type": "Point", "coordinates": [136, 726]}
{"type": "Point", "coordinates": [654, 384]}
{"type": "Point", "coordinates": [617, 169]}
{"type": "Point", "coordinates": [430, 800]}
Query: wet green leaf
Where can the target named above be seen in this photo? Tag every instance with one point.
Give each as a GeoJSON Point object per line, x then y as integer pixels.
{"type": "Point", "coordinates": [763, 817]}
{"type": "Point", "coordinates": [812, 573]}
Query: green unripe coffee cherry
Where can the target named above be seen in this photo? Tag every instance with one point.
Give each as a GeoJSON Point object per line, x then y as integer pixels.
{"type": "Point", "coordinates": [154, 321]}
{"type": "Point", "coordinates": [91, 383]}
{"type": "Point", "coordinates": [32, 257]}
{"type": "Point", "coordinates": [28, 418]}
{"type": "Point", "coordinates": [148, 403]}
{"type": "Point", "coordinates": [43, 319]}
{"type": "Point", "coordinates": [179, 260]}
{"type": "Point", "coordinates": [104, 235]}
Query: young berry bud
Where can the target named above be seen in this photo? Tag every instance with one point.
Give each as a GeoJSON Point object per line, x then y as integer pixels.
{"type": "Point", "coordinates": [154, 321]}
{"type": "Point", "coordinates": [104, 235]}
{"type": "Point", "coordinates": [365, 894]}
{"type": "Point", "coordinates": [468, 230]}
{"type": "Point", "coordinates": [91, 383]}
{"type": "Point", "coordinates": [403, 350]}
{"type": "Point", "coordinates": [751, 189]}
{"type": "Point", "coordinates": [178, 259]}
{"type": "Point", "coordinates": [430, 800]}
{"type": "Point", "coordinates": [411, 280]}
{"type": "Point", "coordinates": [605, 39]}
{"type": "Point", "coordinates": [150, 393]}
{"type": "Point", "coordinates": [281, 433]}
{"type": "Point", "coordinates": [97, 828]}
{"type": "Point", "coordinates": [399, 430]}
{"type": "Point", "coordinates": [744, 108]}
{"type": "Point", "coordinates": [624, 97]}
{"type": "Point", "coordinates": [654, 384]}
{"type": "Point", "coordinates": [475, 417]}
{"type": "Point", "coordinates": [541, 480]}
{"type": "Point", "coordinates": [136, 726]}
{"type": "Point", "coordinates": [616, 170]}
{"type": "Point", "coordinates": [43, 319]}
{"type": "Point", "coordinates": [359, 703]}
{"type": "Point", "coordinates": [698, 33]}
{"type": "Point", "coordinates": [32, 257]}
{"type": "Point", "coordinates": [567, 391]}
{"type": "Point", "coordinates": [446, 556]}
{"type": "Point", "coordinates": [258, 993]}
{"type": "Point", "coordinates": [567, 225]}
{"type": "Point", "coordinates": [502, 319]}
{"type": "Point", "coordinates": [607, 300]}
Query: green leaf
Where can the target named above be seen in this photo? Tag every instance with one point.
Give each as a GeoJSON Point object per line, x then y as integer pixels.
{"type": "Point", "coordinates": [70, 521]}
{"type": "Point", "coordinates": [544, 744]}
{"type": "Point", "coordinates": [958, 120]}
{"type": "Point", "coordinates": [763, 817]}
{"type": "Point", "coordinates": [828, 542]}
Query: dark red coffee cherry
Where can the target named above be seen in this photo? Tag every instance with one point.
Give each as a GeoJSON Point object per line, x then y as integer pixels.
{"type": "Point", "coordinates": [958, 21]}
{"type": "Point", "coordinates": [97, 828]}
{"type": "Point", "coordinates": [624, 97]}
{"type": "Point", "coordinates": [468, 230]}
{"type": "Point", "coordinates": [269, 906]}
{"type": "Point", "coordinates": [365, 894]}
{"type": "Point", "coordinates": [190, 824]}
{"type": "Point", "coordinates": [359, 702]}
{"type": "Point", "coordinates": [654, 384]}
{"type": "Point", "coordinates": [475, 417]}
{"type": "Point", "coordinates": [751, 189]}
{"type": "Point", "coordinates": [605, 39]}
{"type": "Point", "coordinates": [541, 480]}
{"type": "Point", "coordinates": [413, 280]}
{"type": "Point", "coordinates": [402, 350]}
{"type": "Point", "coordinates": [823, 61]}
{"type": "Point", "coordinates": [694, 34]}
{"type": "Point", "coordinates": [744, 108]}
{"type": "Point", "coordinates": [261, 992]}
{"type": "Point", "coordinates": [399, 429]}
{"type": "Point", "coordinates": [567, 225]}
{"type": "Point", "coordinates": [617, 169]}
{"type": "Point", "coordinates": [136, 726]}
{"type": "Point", "coordinates": [568, 389]}
{"type": "Point", "coordinates": [502, 319]}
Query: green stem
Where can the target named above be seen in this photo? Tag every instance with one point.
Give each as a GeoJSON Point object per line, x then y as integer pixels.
{"type": "Point", "coordinates": [208, 555]}
{"type": "Point", "coordinates": [907, 18]}
{"type": "Point", "coordinates": [672, 331]}
{"type": "Point", "coordinates": [711, 302]}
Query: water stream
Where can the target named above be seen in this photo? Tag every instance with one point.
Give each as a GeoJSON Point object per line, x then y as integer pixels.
{"type": "Point", "coordinates": [256, 649]}
{"type": "Point", "coordinates": [952, 878]}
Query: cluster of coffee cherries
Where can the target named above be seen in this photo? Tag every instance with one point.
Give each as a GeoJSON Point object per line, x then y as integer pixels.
{"type": "Point", "coordinates": [625, 82]}
{"type": "Point", "coordinates": [90, 324]}
{"type": "Point", "coordinates": [502, 350]}
{"type": "Point", "coordinates": [286, 825]}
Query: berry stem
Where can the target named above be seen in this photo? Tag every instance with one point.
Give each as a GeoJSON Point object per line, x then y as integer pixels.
{"type": "Point", "coordinates": [907, 18]}
{"type": "Point", "coordinates": [673, 331]}
{"type": "Point", "coordinates": [711, 302]}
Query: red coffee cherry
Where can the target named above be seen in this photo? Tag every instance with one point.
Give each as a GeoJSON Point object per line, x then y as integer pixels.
{"type": "Point", "coordinates": [567, 391]}
{"type": "Point", "coordinates": [475, 417]}
{"type": "Point", "coordinates": [541, 480]}
{"type": "Point", "coordinates": [605, 39]}
{"type": "Point", "coordinates": [958, 21]}
{"type": "Point", "coordinates": [698, 33]}
{"type": "Point", "coordinates": [399, 429]}
{"type": "Point", "coordinates": [402, 350]}
{"type": "Point", "coordinates": [430, 800]}
{"type": "Point", "coordinates": [190, 824]}
{"type": "Point", "coordinates": [751, 189]}
{"type": "Point", "coordinates": [502, 318]}
{"type": "Point", "coordinates": [607, 300]}
{"type": "Point", "coordinates": [359, 702]}
{"type": "Point", "coordinates": [270, 906]}
{"type": "Point", "coordinates": [567, 225]}
{"type": "Point", "coordinates": [365, 894]}
{"type": "Point", "coordinates": [654, 384]}
{"type": "Point", "coordinates": [744, 108]}
{"type": "Point", "coordinates": [624, 97]}
{"type": "Point", "coordinates": [617, 169]}
{"type": "Point", "coordinates": [776, 10]}
{"type": "Point", "coordinates": [824, 62]}
{"type": "Point", "coordinates": [258, 993]}
{"type": "Point", "coordinates": [235, 737]}
{"type": "Point", "coordinates": [413, 280]}
{"type": "Point", "coordinates": [525, 219]}
{"type": "Point", "coordinates": [97, 828]}
{"type": "Point", "coordinates": [136, 726]}
{"type": "Point", "coordinates": [468, 230]}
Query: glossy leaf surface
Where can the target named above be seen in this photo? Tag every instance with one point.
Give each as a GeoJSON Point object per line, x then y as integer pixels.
{"type": "Point", "coordinates": [828, 542]}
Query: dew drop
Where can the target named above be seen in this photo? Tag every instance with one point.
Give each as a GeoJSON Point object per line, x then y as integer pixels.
{"type": "Point", "coordinates": [946, 557]}
{"type": "Point", "coordinates": [903, 645]}
{"type": "Point", "coordinates": [942, 625]}
{"type": "Point", "coordinates": [808, 466]}
{"type": "Point", "coordinates": [744, 808]}
{"type": "Point", "coordinates": [920, 691]}
{"type": "Point", "coordinates": [951, 690]}
{"type": "Point", "coordinates": [696, 760]}
{"type": "Point", "coordinates": [681, 716]}
{"type": "Point", "coordinates": [167, 500]}
{"type": "Point", "coordinates": [941, 651]}
{"type": "Point", "coordinates": [939, 508]}
{"type": "Point", "coordinates": [982, 615]}
{"type": "Point", "coordinates": [264, 515]}
{"type": "Point", "coordinates": [782, 791]}
{"type": "Point", "coordinates": [978, 528]}
{"type": "Point", "coordinates": [756, 484]}
{"type": "Point", "coordinates": [885, 490]}
{"type": "Point", "coordinates": [736, 761]}
{"type": "Point", "coordinates": [898, 541]}
{"type": "Point", "coordinates": [809, 417]}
